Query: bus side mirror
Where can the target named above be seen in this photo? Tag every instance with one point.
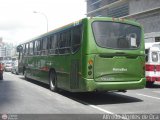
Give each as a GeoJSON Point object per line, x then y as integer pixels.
{"type": "Point", "coordinates": [19, 48]}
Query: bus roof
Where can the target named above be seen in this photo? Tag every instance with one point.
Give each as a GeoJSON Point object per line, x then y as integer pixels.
{"type": "Point", "coordinates": [154, 44]}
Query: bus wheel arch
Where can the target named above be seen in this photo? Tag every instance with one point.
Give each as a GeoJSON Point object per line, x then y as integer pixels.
{"type": "Point", "coordinates": [53, 80]}
{"type": "Point", "coordinates": [24, 69]}
{"type": "Point", "coordinates": [24, 73]}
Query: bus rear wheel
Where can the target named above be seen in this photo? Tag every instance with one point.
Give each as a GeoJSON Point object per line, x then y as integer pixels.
{"type": "Point", "coordinates": [149, 83]}
{"type": "Point", "coordinates": [53, 81]}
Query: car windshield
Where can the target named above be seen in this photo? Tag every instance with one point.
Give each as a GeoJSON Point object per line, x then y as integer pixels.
{"type": "Point", "coordinates": [9, 63]}
{"type": "Point", "coordinates": [116, 35]}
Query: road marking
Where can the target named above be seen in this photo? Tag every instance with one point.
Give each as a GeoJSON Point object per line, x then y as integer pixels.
{"type": "Point", "coordinates": [106, 111]}
{"type": "Point", "coordinates": [93, 106]}
{"type": "Point", "coordinates": [149, 96]}
{"type": "Point", "coordinates": [103, 110]}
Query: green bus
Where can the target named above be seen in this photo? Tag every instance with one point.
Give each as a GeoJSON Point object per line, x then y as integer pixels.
{"type": "Point", "coordinates": [92, 54]}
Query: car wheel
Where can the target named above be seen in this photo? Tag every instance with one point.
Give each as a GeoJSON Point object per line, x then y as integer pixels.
{"type": "Point", "coordinates": [1, 77]}
{"type": "Point", "coordinates": [149, 83]}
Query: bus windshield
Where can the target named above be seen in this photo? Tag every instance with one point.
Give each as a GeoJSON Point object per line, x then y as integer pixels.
{"type": "Point", "coordinates": [116, 35]}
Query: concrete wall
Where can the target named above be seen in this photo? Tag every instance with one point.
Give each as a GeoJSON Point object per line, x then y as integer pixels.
{"type": "Point", "coordinates": [142, 5]}
{"type": "Point", "coordinates": [151, 23]}
{"type": "Point", "coordinates": [150, 20]}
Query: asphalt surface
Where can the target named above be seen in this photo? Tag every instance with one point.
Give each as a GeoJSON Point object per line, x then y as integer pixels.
{"type": "Point", "coordinates": [19, 96]}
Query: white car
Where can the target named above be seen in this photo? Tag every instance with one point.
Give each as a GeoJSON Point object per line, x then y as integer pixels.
{"type": "Point", "coordinates": [8, 66]}
{"type": "Point", "coordinates": [15, 67]}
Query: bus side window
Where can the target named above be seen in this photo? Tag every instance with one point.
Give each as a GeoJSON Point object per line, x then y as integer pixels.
{"type": "Point", "coordinates": [26, 49]}
{"type": "Point", "coordinates": [76, 38]}
{"type": "Point", "coordinates": [53, 44]}
{"type": "Point", "coordinates": [68, 42]}
{"type": "Point", "coordinates": [44, 46]}
{"type": "Point", "coordinates": [146, 54]}
{"type": "Point", "coordinates": [37, 47]}
{"type": "Point", "coordinates": [65, 42]}
{"type": "Point", "coordinates": [31, 48]}
{"type": "Point", "coordinates": [20, 51]}
{"type": "Point", "coordinates": [62, 42]}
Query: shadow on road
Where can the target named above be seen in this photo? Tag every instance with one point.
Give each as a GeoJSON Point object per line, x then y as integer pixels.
{"type": "Point", "coordinates": [95, 98]}
{"type": "Point", "coordinates": [7, 91]}
{"type": "Point", "coordinates": [100, 98]}
{"type": "Point", "coordinates": [154, 86]}
{"type": "Point", "coordinates": [36, 82]}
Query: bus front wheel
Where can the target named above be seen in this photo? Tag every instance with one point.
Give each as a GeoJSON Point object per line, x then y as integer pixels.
{"type": "Point", "coordinates": [53, 81]}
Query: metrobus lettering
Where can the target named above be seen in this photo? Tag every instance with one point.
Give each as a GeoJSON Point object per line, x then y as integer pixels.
{"type": "Point", "coordinates": [120, 69]}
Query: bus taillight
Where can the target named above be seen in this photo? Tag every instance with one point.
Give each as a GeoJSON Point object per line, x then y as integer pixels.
{"type": "Point", "coordinates": [90, 67]}
{"type": "Point", "coordinates": [150, 67]}
{"type": "Point", "coordinates": [90, 62]}
{"type": "Point", "coordinates": [158, 68]}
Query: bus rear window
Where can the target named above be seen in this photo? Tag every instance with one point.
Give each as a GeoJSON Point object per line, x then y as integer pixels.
{"type": "Point", "coordinates": [116, 35]}
{"type": "Point", "coordinates": [154, 56]}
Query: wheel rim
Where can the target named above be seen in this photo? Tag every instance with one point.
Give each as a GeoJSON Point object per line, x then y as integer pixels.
{"type": "Point", "coordinates": [52, 81]}
{"type": "Point", "coordinates": [25, 74]}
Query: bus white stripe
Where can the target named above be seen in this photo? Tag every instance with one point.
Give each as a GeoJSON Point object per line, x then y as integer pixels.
{"type": "Point", "coordinates": [152, 73]}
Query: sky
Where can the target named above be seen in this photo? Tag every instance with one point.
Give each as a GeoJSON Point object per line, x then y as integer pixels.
{"type": "Point", "coordinates": [19, 23]}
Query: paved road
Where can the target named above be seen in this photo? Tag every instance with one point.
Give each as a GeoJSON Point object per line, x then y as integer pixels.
{"type": "Point", "coordinates": [28, 97]}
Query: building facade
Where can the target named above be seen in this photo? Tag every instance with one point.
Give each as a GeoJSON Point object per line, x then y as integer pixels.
{"type": "Point", "coordinates": [5, 49]}
{"type": "Point", "coordinates": [147, 12]}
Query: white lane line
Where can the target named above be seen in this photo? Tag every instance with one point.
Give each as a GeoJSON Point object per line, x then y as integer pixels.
{"type": "Point", "coordinates": [93, 106]}
{"type": "Point", "coordinates": [106, 111]}
{"type": "Point", "coordinates": [103, 110]}
{"type": "Point", "coordinates": [149, 96]}
{"type": "Point", "coordinates": [156, 91]}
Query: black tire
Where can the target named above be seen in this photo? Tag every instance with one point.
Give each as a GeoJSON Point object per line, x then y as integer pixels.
{"type": "Point", "coordinates": [1, 77]}
{"type": "Point", "coordinates": [149, 83]}
{"type": "Point", "coordinates": [53, 81]}
{"type": "Point", "coordinates": [25, 77]}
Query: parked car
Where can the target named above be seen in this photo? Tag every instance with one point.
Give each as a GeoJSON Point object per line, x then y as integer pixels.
{"type": "Point", "coordinates": [1, 70]}
{"type": "Point", "coordinates": [15, 67]}
{"type": "Point", "coordinates": [8, 66]}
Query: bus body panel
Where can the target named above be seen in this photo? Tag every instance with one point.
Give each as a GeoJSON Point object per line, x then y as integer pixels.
{"type": "Point", "coordinates": [118, 68]}
{"type": "Point", "coordinates": [114, 65]}
{"type": "Point", "coordinates": [91, 67]}
{"type": "Point", "coordinates": [91, 85]}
